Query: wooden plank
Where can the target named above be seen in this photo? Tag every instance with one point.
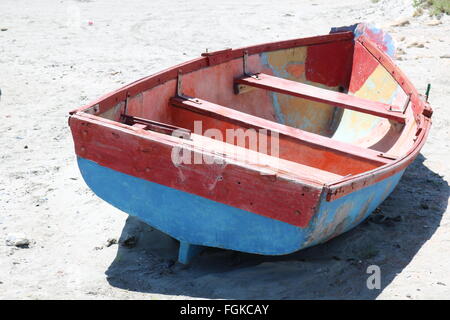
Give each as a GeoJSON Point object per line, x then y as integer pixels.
{"type": "Point", "coordinates": [338, 99]}
{"type": "Point", "coordinates": [249, 121]}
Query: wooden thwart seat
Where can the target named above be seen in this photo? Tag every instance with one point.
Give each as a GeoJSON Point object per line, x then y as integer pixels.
{"type": "Point", "coordinates": [338, 99]}
{"type": "Point", "coordinates": [249, 121]}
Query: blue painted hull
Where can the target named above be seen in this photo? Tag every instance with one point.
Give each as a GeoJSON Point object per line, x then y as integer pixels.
{"type": "Point", "coordinates": [192, 219]}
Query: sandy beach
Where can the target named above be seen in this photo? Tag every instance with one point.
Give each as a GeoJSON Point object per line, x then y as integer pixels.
{"type": "Point", "coordinates": [58, 55]}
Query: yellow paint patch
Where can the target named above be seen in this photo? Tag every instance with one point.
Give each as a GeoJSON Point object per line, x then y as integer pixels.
{"type": "Point", "coordinates": [308, 115]}
{"type": "Point", "coordinates": [279, 59]}
{"type": "Point", "coordinates": [381, 87]}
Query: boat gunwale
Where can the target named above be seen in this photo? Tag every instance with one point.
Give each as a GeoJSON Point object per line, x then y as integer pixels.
{"type": "Point", "coordinates": [334, 190]}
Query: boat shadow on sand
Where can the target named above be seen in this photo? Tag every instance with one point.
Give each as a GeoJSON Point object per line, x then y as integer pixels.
{"type": "Point", "coordinates": [389, 238]}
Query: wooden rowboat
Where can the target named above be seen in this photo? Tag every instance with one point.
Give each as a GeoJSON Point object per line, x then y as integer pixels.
{"type": "Point", "coordinates": [322, 129]}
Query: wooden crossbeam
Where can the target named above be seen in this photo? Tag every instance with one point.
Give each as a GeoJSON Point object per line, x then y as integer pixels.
{"type": "Point", "coordinates": [249, 121]}
{"type": "Point", "coordinates": [338, 99]}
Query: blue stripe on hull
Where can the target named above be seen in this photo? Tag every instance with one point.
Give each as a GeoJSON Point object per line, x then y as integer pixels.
{"type": "Point", "coordinates": [196, 220]}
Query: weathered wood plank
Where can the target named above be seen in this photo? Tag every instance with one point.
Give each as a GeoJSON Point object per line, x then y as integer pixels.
{"type": "Point", "coordinates": [338, 99]}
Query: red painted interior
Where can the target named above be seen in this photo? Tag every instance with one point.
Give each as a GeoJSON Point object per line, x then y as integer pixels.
{"type": "Point", "coordinates": [324, 64]}
{"type": "Point", "coordinates": [363, 66]}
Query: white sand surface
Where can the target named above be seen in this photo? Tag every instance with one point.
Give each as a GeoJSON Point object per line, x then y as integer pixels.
{"type": "Point", "coordinates": [52, 60]}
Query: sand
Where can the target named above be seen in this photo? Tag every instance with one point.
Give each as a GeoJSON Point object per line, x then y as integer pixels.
{"type": "Point", "coordinates": [58, 55]}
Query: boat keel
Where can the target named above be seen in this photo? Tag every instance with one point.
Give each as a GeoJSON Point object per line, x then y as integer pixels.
{"type": "Point", "coordinates": [187, 251]}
